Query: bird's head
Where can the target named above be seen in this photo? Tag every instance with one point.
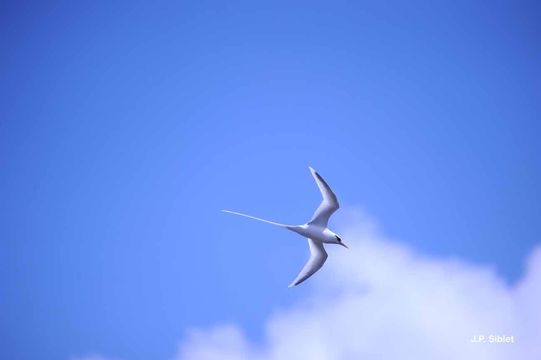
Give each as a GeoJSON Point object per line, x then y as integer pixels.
{"type": "Point", "coordinates": [339, 241]}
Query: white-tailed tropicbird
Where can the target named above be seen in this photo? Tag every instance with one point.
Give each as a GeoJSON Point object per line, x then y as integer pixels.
{"type": "Point", "coordinates": [315, 230]}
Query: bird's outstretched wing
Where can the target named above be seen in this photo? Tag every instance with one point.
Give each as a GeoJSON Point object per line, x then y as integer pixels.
{"type": "Point", "coordinates": [329, 204]}
{"type": "Point", "coordinates": [318, 255]}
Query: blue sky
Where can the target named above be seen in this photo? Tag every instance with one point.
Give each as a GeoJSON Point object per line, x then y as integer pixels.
{"type": "Point", "coordinates": [126, 126]}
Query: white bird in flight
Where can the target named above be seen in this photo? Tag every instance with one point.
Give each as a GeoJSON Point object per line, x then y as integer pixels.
{"type": "Point", "coordinates": [315, 230]}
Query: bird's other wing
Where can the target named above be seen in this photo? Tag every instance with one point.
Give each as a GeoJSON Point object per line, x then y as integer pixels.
{"type": "Point", "coordinates": [318, 255]}
{"type": "Point", "coordinates": [329, 204]}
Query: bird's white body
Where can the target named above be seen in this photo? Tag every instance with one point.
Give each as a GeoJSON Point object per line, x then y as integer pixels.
{"type": "Point", "coordinates": [316, 230]}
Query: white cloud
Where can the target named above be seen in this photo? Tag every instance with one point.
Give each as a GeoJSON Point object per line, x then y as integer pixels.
{"type": "Point", "coordinates": [381, 300]}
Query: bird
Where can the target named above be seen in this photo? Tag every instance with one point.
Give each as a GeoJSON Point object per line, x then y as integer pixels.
{"type": "Point", "coordinates": [316, 230]}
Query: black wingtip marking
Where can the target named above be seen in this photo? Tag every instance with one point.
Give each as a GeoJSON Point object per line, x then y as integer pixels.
{"type": "Point", "coordinates": [321, 179]}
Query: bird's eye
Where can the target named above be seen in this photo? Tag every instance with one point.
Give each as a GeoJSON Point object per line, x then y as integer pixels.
{"type": "Point", "coordinates": [338, 238]}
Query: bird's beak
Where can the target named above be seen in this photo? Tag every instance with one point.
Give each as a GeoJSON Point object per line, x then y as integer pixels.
{"type": "Point", "coordinates": [344, 245]}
